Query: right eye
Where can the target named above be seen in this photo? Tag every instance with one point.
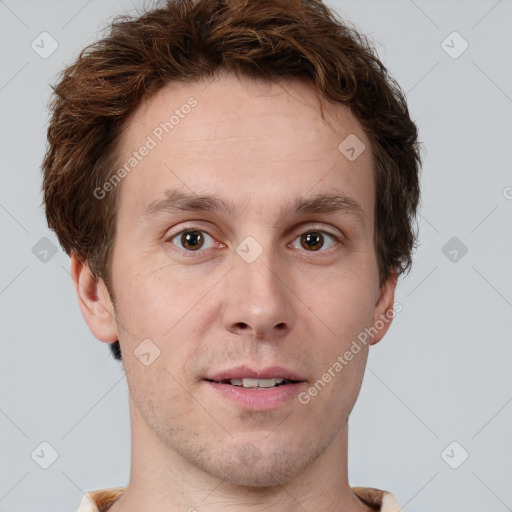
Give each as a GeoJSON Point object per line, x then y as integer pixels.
{"type": "Point", "coordinates": [189, 240]}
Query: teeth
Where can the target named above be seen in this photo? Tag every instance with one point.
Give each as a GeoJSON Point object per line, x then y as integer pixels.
{"type": "Point", "coordinates": [254, 383]}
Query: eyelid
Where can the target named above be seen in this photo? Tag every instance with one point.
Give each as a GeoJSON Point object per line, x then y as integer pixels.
{"type": "Point", "coordinates": [307, 226]}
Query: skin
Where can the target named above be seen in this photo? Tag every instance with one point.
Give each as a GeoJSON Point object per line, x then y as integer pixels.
{"type": "Point", "coordinates": [259, 146]}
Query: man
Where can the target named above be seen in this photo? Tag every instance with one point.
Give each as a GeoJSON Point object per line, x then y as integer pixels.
{"type": "Point", "coordinates": [235, 183]}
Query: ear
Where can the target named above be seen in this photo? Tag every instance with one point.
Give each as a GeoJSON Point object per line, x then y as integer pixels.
{"type": "Point", "coordinates": [384, 311]}
{"type": "Point", "coordinates": [94, 301]}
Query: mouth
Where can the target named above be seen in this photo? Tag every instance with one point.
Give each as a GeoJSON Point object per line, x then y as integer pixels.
{"type": "Point", "coordinates": [256, 384]}
{"type": "Point", "coordinates": [256, 394]}
{"type": "Point", "coordinates": [248, 377]}
{"type": "Point", "coordinates": [261, 389]}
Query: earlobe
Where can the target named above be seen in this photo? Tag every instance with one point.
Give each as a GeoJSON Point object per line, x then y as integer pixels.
{"type": "Point", "coordinates": [94, 301]}
{"type": "Point", "coordinates": [384, 308]}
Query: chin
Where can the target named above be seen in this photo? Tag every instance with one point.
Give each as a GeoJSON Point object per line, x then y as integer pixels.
{"type": "Point", "coordinates": [248, 467]}
{"type": "Point", "coordinates": [258, 477]}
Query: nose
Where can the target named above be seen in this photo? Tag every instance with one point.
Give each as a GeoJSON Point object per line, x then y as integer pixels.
{"type": "Point", "coordinates": [258, 298]}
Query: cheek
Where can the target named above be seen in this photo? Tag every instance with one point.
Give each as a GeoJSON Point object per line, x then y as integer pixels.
{"type": "Point", "coordinates": [347, 302]}
{"type": "Point", "coordinates": [151, 299]}
{"type": "Point", "coordinates": [153, 389]}
{"type": "Point", "coordinates": [162, 305]}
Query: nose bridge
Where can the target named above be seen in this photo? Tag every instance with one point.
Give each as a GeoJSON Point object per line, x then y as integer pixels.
{"type": "Point", "coordinates": [257, 297]}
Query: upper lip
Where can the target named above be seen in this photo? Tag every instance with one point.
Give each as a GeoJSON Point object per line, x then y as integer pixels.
{"type": "Point", "coordinates": [240, 372]}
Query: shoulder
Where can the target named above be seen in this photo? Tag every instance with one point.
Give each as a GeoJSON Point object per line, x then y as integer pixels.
{"type": "Point", "coordinates": [100, 500]}
{"type": "Point", "coordinates": [382, 501]}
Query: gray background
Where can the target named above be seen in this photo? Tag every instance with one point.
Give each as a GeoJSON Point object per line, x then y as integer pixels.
{"type": "Point", "coordinates": [442, 373]}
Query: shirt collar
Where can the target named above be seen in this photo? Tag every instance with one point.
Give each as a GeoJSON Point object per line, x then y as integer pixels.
{"type": "Point", "coordinates": [102, 499]}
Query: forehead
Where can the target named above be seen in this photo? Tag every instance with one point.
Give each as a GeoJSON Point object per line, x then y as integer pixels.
{"type": "Point", "coordinates": [247, 140]}
{"type": "Point", "coordinates": [226, 104]}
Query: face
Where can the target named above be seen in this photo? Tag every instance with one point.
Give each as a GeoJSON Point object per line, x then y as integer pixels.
{"type": "Point", "coordinates": [257, 281]}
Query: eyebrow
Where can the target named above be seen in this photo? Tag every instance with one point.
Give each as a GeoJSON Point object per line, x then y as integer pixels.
{"type": "Point", "coordinates": [327, 203]}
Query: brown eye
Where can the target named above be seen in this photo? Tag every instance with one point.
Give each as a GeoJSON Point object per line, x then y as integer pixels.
{"type": "Point", "coordinates": [313, 241]}
{"type": "Point", "coordinates": [192, 240]}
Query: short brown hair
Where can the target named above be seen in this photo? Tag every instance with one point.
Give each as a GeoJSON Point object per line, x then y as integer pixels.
{"type": "Point", "coordinates": [188, 40]}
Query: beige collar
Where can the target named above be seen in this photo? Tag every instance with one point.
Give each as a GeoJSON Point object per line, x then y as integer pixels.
{"type": "Point", "coordinates": [102, 499]}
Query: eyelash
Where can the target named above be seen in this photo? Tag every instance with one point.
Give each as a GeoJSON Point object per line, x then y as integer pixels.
{"type": "Point", "coordinates": [315, 229]}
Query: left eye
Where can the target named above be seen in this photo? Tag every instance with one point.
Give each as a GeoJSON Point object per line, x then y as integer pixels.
{"type": "Point", "coordinates": [192, 240]}
{"type": "Point", "coordinates": [312, 239]}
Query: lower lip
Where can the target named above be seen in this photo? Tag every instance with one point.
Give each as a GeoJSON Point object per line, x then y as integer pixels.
{"type": "Point", "coordinates": [258, 400]}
